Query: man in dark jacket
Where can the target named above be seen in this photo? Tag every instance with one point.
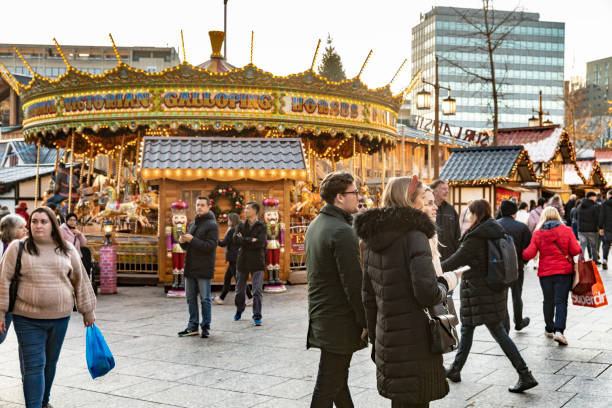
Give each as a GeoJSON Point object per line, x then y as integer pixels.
{"type": "Point", "coordinates": [447, 221]}
{"type": "Point", "coordinates": [571, 203]}
{"type": "Point", "coordinates": [200, 242]}
{"type": "Point", "coordinates": [231, 255]}
{"type": "Point", "coordinates": [522, 237]}
{"type": "Point", "coordinates": [251, 236]}
{"type": "Point", "coordinates": [337, 323]}
{"type": "Point", "coordinates": [588, 225]}
{"type": "Point", "coordinates": [606, 227]}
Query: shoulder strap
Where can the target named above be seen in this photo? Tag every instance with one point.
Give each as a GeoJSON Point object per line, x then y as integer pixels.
{"type": "Point", "coordinates": [18, 262]}
{"type": "Point", "coordinates": [564, 254]}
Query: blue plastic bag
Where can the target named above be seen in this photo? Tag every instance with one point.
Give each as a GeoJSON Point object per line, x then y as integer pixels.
{"type": "Point", "coordinates": [100, 360]}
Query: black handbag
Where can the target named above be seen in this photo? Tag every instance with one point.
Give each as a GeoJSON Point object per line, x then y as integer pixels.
{"type": "Point", "coordinates": [442, 327]}
{"type": "Point", "coordinates": [15, 281]}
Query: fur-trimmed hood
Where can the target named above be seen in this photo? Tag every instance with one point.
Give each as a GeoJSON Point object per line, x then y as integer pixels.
{"type": "Point", "coordinates": [380, 227]}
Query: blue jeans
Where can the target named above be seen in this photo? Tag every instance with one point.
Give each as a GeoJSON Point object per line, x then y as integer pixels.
{"type": "Point", "coordinates": [193, 286]}
{"type": "Point", "coordinates": [40, 342]}
{"type": "Point", "coordinates": [556, 289]}
{"type": "Point", "coordinates": [8, 318]}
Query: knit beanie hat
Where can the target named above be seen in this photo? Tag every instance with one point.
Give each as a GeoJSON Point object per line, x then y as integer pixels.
{"type": "Point", "coordinates": [508, 208]}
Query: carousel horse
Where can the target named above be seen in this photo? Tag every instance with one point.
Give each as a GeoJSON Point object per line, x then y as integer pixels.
{"type": "Point", "coordinates": [113, 208]}
{"type": "Point", "coordinates": [307, 203]}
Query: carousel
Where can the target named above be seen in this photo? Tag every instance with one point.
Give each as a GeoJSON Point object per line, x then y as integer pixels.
{"type": "Point", "coordinates": [147, 144]}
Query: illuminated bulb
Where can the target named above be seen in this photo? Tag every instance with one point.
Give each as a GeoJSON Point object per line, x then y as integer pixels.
{"type": "Point", "coordinates": [199, 172]}
{"type": "Point", "coordinates": [221, 172]}
{"type": "Point", "coordinates": [241, 173]}
{"type": "Point", "coordinates": [145, 172]}
{"type": "Point", "coordinates": [209, 172]}
{"type": "Point", "coordinates": [251, 172]}
{"type": "Point", "coordinates": [283, 173]}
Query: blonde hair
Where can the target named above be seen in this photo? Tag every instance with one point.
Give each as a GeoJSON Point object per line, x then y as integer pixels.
{"type": "Point", "coordinates": [549, 214]}
{"type": "Point", "coordinates": [396, 192]}
{"type": "Point", "coordinates": [396, 195]}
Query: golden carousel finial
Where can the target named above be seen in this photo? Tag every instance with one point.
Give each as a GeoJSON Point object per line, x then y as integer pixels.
{"type": "Point", "coordinates": [252, 35]}
{"type": "Point", "coordinates": [115, 49]}
{"type": "Point", "coordinates": [12, 81]}
{"type": "Point", "coordinates": [183, 43]}
{"type": "Point", "coordinates": [398, 71]}
{"type": "Point", "coordinates": [34, 74]}
{"type": "Point", "coordinates": [315, 55]}
{"type": "Point", "coordinates": [59, 49]}
{"type": "Point", "coordinates": [365, 63]}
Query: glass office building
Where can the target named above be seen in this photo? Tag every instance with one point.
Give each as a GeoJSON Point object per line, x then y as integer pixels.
{"type": "Point", "coordinates": [530, 60]}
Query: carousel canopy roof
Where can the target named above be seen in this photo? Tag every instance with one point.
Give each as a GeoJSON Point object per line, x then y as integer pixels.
{"type": "Point", "coordinates": [223, 158]}
{"type": "Point", "coordinates": [487, 165]}
{"type": "Point", "coordinates": [212, 97]}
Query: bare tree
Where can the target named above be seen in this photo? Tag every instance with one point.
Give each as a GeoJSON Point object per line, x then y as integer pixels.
{"type": "Point", "coordinates": [490, 30]}
{"type": "Point", "coordinates": [586, 119]}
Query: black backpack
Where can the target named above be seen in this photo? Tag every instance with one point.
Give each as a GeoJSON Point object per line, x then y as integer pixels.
{"type": "Point", "coordinates": [502, 268]}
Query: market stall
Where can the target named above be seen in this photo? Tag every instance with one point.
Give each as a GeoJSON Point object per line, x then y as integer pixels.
{"type": "Point", "coordinates": [550, 150]}
{"type": "Point", "coordinates": [491, 173]}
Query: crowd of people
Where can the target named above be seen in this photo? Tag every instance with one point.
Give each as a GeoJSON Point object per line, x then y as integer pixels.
{"type": "Point", "coordinates": [373, 274]}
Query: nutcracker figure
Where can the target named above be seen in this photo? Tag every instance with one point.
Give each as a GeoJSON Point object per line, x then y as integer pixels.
{"type": "Point", "coordinates": [275, 243]}
{"type": "Point", "coordinates": [173, 233]}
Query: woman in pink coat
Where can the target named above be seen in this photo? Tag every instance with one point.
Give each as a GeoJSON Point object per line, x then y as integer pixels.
{"type": "Point", "coordinates": [71, 234]}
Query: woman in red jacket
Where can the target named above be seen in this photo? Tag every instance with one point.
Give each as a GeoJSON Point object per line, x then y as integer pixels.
{"type": "Point", "coordinates": [556, 243]}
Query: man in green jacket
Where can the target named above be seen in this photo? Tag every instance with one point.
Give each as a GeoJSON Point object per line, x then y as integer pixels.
{"type": "Point", "coordinates": [337, 323]}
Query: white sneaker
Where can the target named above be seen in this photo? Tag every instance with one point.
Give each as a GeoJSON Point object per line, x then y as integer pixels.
{"type": "Point", "coordinates": [217, 300]}
{"type": "Point", "coordinates": [549, 334]}
{"type": "Point", "coordinates": [560, 338]}
{"type": "Point", "coordinates": [249, 302]}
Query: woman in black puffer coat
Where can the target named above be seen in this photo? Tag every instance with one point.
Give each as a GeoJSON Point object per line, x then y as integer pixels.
{"type": "Point", "coordinates": [479, 303]}
{"type": "Point", "coordinates": [399, 282]}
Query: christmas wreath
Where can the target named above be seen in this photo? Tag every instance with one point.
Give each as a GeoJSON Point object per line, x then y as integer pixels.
{"type": "Point", "coordinates": [234, 197]}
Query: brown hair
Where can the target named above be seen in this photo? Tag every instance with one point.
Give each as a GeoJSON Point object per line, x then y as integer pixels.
{"type": "Point", "coordinates": [396, 192]}
{"type": "Point", "coordinates": [335, 183]}
{"type": "Point", "coordinates": [30, 245]}
{"type": "Point", "coordinates": [481, 211]}
{"type": "Point", "coordinates": [234, 218]}
{"type": "Point", "coordinates": [205, 199]}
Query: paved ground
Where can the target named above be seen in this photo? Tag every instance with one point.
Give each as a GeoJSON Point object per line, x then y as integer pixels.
{"type": "Point", "coordinates": [243, 366]}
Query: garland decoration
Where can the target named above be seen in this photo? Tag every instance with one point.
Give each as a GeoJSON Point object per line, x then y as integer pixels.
{"type": "Point", "coordinates": [235, 198]}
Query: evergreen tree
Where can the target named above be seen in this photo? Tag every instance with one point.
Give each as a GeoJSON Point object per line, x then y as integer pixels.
{"type": "Point", "coordinates": [331, 65]}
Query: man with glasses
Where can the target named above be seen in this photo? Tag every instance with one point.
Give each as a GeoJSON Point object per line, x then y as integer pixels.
{"type": "Point", "coordinates": [337, 323]}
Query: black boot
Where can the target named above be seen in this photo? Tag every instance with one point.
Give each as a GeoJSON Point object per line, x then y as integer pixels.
{"type": "Point", "coordinates": [524, 323]}
{"type": "Point", "coordinates": [205, 332]}
{"type": "Point", "coordinates": [525, 382]}
{"type": "Point", "coordinates": [453, 374]}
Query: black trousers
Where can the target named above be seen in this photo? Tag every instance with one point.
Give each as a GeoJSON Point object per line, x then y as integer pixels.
{"type": "Point", "coordinates": [517, 299]}
{"type": "Point", "coordinates": [230, 273]}
{"type": "Point", "coordinates": [501, 337]}
{"type": "Point", "coordinates": [332, 382]}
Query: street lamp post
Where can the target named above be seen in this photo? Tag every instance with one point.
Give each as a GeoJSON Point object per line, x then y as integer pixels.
{"type": "Point", "coordinates": [449, 107]}
{"type": "Point", "coordinates": [533, 121]}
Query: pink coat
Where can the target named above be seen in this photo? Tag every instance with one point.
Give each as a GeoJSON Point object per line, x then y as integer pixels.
{"type": "Point", "coordinates": [70, 237]}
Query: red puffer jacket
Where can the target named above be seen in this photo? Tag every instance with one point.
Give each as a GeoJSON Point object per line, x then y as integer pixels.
{"type": "Point", "coordinates": [552, 261]}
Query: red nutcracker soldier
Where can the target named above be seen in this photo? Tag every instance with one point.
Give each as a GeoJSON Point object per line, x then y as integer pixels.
{"type": "Point", "coordinates": [275, 245]}
{"type": "Point", "coordinates": [173, 233]}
